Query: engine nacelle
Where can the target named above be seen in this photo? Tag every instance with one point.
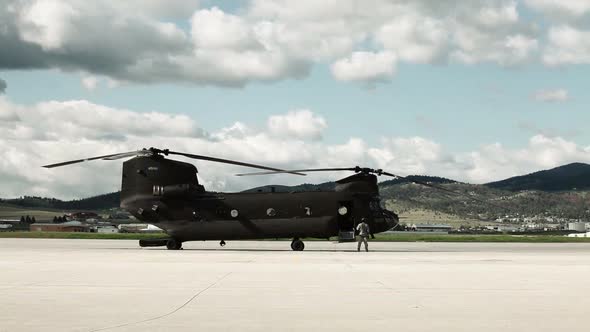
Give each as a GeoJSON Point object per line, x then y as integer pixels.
{"type": "Point", "coordinates": [175, 190]}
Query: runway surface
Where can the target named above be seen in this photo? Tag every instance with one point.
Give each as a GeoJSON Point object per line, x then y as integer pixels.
{"type": "Point", "coordinates": [113, 285]}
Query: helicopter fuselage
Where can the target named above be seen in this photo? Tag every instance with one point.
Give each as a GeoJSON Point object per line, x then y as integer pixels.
{"type": "Point", "coordinates": [231, 216]}
{"type": "Point", "coordinates": [166, 193]}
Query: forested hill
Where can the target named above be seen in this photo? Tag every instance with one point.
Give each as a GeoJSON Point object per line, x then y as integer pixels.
{"type": "Point", "coordinates": [419, 178]}
{"type": "Point", "coordinates": [327, 186]}
{"type": "Point", "coordinates": [99, 202]}
{"type": "Point", "coordinates": [574, 176]}
{"type": "Point", "coordinates": [562, 191]}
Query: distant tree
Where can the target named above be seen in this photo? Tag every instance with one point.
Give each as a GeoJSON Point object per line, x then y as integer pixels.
{"type": "Point", "coordinates": [28, 220]}
{"type": "Point", "coordinates": [33, 220]}
{"type": "Point", "coordinates": [22, 219]}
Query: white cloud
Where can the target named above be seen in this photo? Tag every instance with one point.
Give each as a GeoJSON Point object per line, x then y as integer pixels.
{"type": "Point", "coordinates": [299, 124]}
{"type": "Point", "coordinates": [8, 111]}
{"type": "Point", "coordinates": [236, 131]}
{"type": "Point", "coordinates": [50, 132]}
{"type": "Point", "coordinates": [168, 9]}
{"type": "Point", "coordinates": [365, 67]}
{"type": "Point", "coordinates": [408, 155]}
{"type": "Point", "coordinates": [567, 46]}
{"type": "Point", "coordinates": [567, 9]}
{"type": "Point", "coordinates": [495, 162]}
{"type": "Point", "coordinates": [90, 82]}
{"type": "Point", "coordinates": [214, 29]}
{"type": "Point", "coordinates": [476, 46]}
{"type": "Point", "coordinates": [263, 41]}
{"type": "Point", "coordinates": [501, 15]}
{"type": "Point", "coordinates": [72, 120]}
{"type": "Point", "coordinates": [415, 38]}
{"type": "Point", "coordinates": [556, 95]}
{"type": "Point", "coordinates": [47, 23]}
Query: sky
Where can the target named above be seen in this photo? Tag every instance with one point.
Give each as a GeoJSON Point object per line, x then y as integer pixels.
{"type": "Point", "coordinates": [476, 91]}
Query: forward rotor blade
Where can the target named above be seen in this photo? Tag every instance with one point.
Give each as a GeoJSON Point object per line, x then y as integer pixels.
{"type": "Point", "coordinates": [232, 162]}
{"type": "Point", "coordinates": [105, 157]}
{"type": "Point", "coordinates": [127, 155]}
{"type": "Point", "coordinates": [295, 171]}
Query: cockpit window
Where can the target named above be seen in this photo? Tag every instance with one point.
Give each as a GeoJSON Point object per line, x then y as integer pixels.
{"type": "Point", "coordinates": [375, 204]}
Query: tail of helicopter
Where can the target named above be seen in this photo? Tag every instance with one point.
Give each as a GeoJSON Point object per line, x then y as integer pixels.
{"type": "Point", "coordinates": [147, 179]}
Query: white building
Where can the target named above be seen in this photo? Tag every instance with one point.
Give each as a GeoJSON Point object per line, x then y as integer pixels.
{"type": "Point", "coordinates": [576, 226]}
{"type": "Point", "coordinates": [104, 229]}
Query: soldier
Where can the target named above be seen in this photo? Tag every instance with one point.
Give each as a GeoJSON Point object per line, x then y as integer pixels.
{"type": "Point", "coordinates": [363, 230]}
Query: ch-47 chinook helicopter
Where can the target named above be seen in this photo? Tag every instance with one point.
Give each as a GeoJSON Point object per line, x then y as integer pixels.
{"type": "Point", "coordinates": [166, 193]}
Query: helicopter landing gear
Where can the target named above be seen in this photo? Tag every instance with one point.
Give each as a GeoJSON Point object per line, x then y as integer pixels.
{"type": "Point", "coordinates": [297, 245]}
{"type": "Point", "coordinates": [222, 243]}
{"type": "Point", "coordinates": [173, 244]}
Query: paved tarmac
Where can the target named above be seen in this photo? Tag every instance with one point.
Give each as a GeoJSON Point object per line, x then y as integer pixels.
{"type": "Point", "coordinates": [113, 285]}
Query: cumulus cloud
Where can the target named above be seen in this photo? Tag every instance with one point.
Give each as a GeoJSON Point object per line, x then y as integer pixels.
{"type": "Point", "coordinates": [567, 46]}
{"type": "Point", "coordinates": [412, 155]}
{"type": "Point", "coordinates": [415, 38]}
{"type": "Point", "coordinates": [263, 41]}
{"type": "Point", "coordinates": [72, 120]}
{"type": "Point", "coordinates": [90, 82]}
{"type": "Point", "coordinates": [365, 67]}
{"type": "Point", "coordinates": [551, 96]}
{"type": "Point", "coordinates": [564, 9]}
{"type": "Point", "coordinates": [8, 111]}
{"type": "Point", "coordinates": [3, 86]}
{"type": "Point", "coordinates": [299, 124]}
{"type": "Point", "coordinates": [494, 161]}
{"type": "Point", "coordinates": [49, 132]}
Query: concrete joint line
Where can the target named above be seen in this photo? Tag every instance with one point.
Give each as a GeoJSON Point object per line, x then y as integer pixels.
{"type": "Point", "coordinates": [169, 313]}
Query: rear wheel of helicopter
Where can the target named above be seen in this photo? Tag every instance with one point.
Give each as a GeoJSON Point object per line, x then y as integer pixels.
{"type": "Point", "coordinates": [297, 245]}
{"type": "Point", "coordinates": [174, 244]}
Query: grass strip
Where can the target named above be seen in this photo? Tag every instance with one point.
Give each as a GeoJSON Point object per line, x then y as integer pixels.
{"type": "Point", "coordinates": [410, 237]}
{"type": "Point", "coordinates": [416, 237]}
{"type": "Point", "coordinates": [82, 235]}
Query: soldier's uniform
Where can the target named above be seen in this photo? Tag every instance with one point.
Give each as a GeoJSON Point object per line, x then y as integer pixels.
{"type": "Point", "coordinates": [363, 229]}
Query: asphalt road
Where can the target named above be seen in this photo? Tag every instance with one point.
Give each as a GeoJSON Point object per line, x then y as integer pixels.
{"type": "Point", "coordinates": [113, 285]}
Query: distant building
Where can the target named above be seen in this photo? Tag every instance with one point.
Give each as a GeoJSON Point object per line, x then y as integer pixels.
{"type": "Point", "coordinates": [576, 226]}
{"type": "Point", "coordinates": [83, 216]}
{"type": "Point", "coordinates": [431, 228]}
{"type": "Point", "coordinates": [105, 229]}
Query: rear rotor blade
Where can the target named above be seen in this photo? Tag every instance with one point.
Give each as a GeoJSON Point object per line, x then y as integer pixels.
{"type": "Point", "coordinates": [105, 157]}
{"type": "Point", "coordinates": [295, 171]}
{"type": "Point", "coordinates": [232, 162]}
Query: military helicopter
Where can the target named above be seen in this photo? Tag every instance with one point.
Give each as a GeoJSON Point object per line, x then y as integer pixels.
{"type": "Point", "coordinates": [166, 193]}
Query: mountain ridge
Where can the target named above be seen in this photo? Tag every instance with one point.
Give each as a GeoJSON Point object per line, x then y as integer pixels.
{"type": "Point", "coordinates": [567, 178]}
{"type": "Point", "coordinates": [573, 176]}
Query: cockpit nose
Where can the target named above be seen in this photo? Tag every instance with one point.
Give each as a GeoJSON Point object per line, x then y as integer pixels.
{"type": "Point", "coordinates": [385, 221]}
{"type": "Point", "coordinates": [391, 218]}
